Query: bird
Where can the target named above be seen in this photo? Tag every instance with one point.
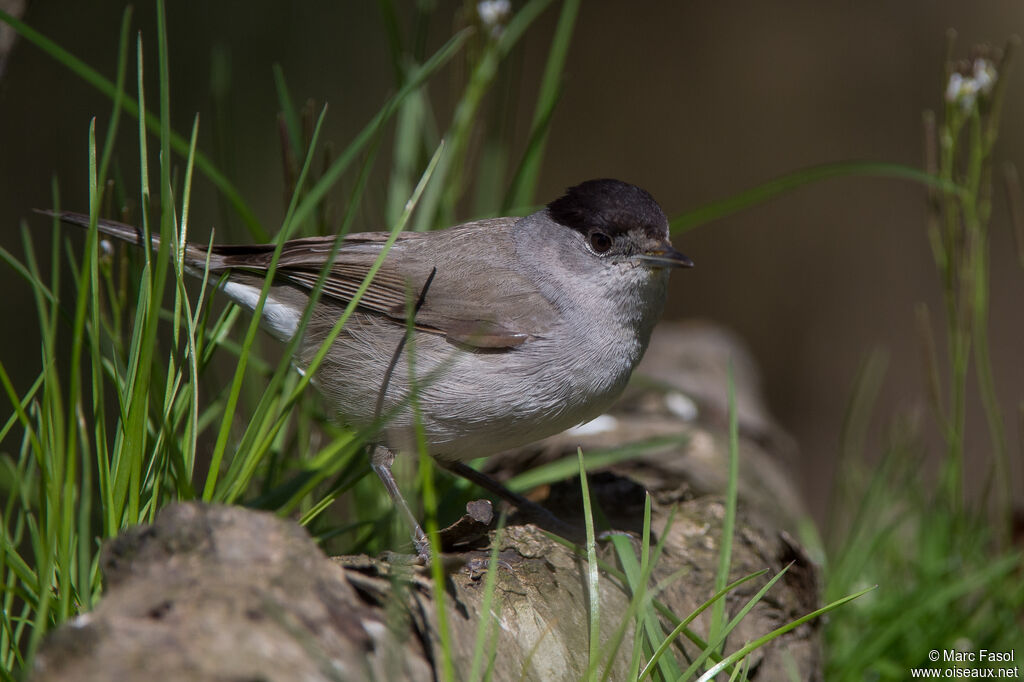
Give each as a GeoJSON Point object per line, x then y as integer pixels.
{"type": "Point", "coordinates": [507, 329]}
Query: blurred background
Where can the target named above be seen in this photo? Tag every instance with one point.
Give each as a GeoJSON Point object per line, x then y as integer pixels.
{"type": "Point", "coordinates": [693, 101]}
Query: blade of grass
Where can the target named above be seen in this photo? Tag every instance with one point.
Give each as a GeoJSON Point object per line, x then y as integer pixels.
{"type": "Point", "coordinates": [936, 601]}
{"type": "Point", "coordinates": [19, 409]}
{"type": "Point", "coordinates": [85, 580]}
{"type": "Point", "coordinates": [729, 522]}
{"type": "Point", "coordinates": [132, 108]}
{"type": "Point", "coordinates": [652, 628]}
{"type": "Point", "coordinates": [621, 577]}
{"type": "Point", "coordinates": [487, 617]}
{"type": "Point", "coordinates": [438, 205]}
{"type": "Point", "coordinates": [141, 393]}
{"type": "Point", "coordinates": [740, 671]}
{"type": "Point", "coordinates": [561, 469]}
{"type": "Point", "coordinates": [761, 641]}
{"type": "Point", "coordinates": [525, 183]}
{"type": "Point", "coordinates": [43, 576]}
{"type": "Point", "coordinates": [184, 439]}
{"type": "Point", "coordinates": [26, 399]}
{"type": "Point", "coordinates": [109, 457]}
{"type": "Point", "coordinates": [593, 584]}
{"type": "Point", "coordinates": [429, 492]}
{"type": "Point", "coordinates": [256, 442]}
{"type": "Point", "coordinates": [291, 117]}
{"type": "Point", "coordinates": [716, 640]}
{"type": "Point", "coordinates": [799, 178]}
{"type": "Point", "coordinates": [426, 463]}
{"type": "Point", "coordinates": [414, 130]}
{"type": "Point", "coordinates": [638, 576]}
{"type": "Point", "coordinates": [36, 284]}
{"type": "Point", "coordinates": [314, 364]}
{"type": "Point", "coordinates": [220, 447]}
{"type": "Point", "coordinates": [716, 598]}
{"type": "Point", "coordinates": [336, 490]}
{"type": "Point", "coordinates": [319, 190]}
{"type": "Point", "coordinates": [63, 486]}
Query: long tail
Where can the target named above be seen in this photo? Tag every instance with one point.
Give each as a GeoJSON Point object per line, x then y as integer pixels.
{"type": "Point", "coordinates": [195, 256]}
{"type": "Point", "coordinates": [242, 263]}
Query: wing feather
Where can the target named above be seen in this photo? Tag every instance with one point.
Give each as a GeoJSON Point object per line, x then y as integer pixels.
{"type": "Point", "coordinates": [504, 314]}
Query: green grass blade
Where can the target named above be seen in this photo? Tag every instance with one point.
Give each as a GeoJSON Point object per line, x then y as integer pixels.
{"type": "Point", "coordinates": [20, 409]}
{"type": "Point", "coordinates": [488, 621]}
{"type": "Point", "coordinates": [36, 284]}
{"type": "Point", "coordinates": [220, 447]}
{"type": "Point", "coordinates": [264, 428]}
{"type": "Point", "coordinates": [372, 272]}
{"type": "Point", "coordinates": [143, 154]}
{"type": "Point", "coordinates": [319, 190]}
{"type": "Point", "coordinates": [291, 116]}
{"type": "Point", "coordinates": [716, 640]}
{"type": "Point", "coordinates": [76, 566]}
{"type": "Point", "coordinates": [561, 469]}
{"type": "Point", "coordinates": [186, 438]}
{"type": "Point", "coordinates": [132, 108]}
{"type": "Point", "coordinates": [593, 583]}
{"type": "Point", "coordinates": [937, 601]}
{"type": "Point", "coordinates": [621, 577]}
{"type": "Point", "coordinates": [528, 173]}
{"type": "Point", "coordinates": [716, 598]}
{"type": "Point", "coordinates": [429, 492]}
{"type": "Point", "coordinates": [729, 522]}
{"type": "Point", "coordinates": [638, 576]}
{"type": "Point", "coordinates": [778, 632]}
{"type": "Point", "coordinates": [438, 205]}
{"type": "Point", "coordinates": [21, 404]}
{"type": "Point", "coordinates": [415, 130]}
{"type": "Point", "coordinates": [133, 452]}
{"type": "Point", "coordinates": [799, 178]}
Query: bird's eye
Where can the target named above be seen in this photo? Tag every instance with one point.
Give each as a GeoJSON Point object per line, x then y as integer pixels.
{"type": "Point", "coordinates": [600, 242]}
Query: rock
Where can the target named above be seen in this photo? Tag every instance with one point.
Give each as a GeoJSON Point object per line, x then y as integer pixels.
{"type": "Point", "coordinates": [219, 593]}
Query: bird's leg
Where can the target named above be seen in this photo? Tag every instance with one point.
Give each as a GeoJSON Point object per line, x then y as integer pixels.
{"type": "Point", "coordinates": [382, 458]}
{"type": "Point", "coordinates": [381, 461]}
{"type": "Point", "coordinates": [537, 513]}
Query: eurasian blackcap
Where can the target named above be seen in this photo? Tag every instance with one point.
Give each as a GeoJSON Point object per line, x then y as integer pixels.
{"type": "Point", "coordinates": [523, 327]}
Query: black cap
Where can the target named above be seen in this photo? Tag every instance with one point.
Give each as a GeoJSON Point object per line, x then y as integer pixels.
{"type": "Point", "coordinates": [610, 205]}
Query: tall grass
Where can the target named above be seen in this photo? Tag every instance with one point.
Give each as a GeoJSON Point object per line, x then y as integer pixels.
{"type": "Point", "coordinates": [950, 579]}
{"type": "Point", "coordinates": [115, 430]}
{"type": "Point", "coordinates": [107, 435]}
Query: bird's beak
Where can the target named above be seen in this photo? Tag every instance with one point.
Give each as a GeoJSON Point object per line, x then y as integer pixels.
{"type": "Point", "coordinates": [664, 256]}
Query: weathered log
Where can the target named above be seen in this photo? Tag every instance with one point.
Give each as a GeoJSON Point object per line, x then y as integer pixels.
{"type": "Point", "coordinates": [216, 593]}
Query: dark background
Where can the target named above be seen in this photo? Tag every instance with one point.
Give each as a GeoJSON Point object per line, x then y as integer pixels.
{"type": "Point", "coordinates": [693, 101]}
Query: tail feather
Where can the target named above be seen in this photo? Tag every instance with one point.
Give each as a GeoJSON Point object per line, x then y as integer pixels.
{"type": "Point", "coordinates": [280, 316]}
{"type": "Point", "coordinates": [195, 256]}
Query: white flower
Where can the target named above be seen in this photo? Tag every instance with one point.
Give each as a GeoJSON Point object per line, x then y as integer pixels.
{"type": "Point", "coordinates": [956, 82]}
{"type": "Point", "coordinates": [984, 75]}
{"type": "Point", "coordinates": [493, 14]}
{"type": "Point", "coordinates": [964, 88]}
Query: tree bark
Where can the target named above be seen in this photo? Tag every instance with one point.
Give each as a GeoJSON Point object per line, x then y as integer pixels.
{"type": "Point", "coordinates": [224, 593]}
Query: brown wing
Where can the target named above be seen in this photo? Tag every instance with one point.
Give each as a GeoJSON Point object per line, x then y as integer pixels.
{"type": "Point", "coordinates": [473, 298]}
